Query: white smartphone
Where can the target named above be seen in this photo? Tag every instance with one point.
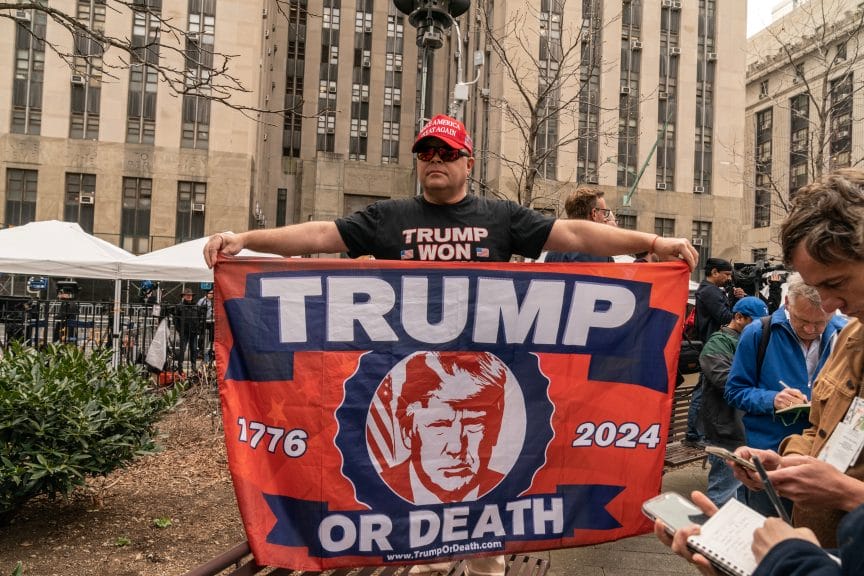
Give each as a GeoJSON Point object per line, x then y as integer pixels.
{"type": "Point", "coordinates": [673, 510]}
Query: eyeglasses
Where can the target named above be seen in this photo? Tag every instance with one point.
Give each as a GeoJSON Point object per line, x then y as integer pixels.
{"type": "Point", "coordinates": [444, 153]}
{"type": "Point", "coordinates": [604, 211]}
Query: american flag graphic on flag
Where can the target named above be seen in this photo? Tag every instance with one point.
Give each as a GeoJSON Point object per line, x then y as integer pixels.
{"type": "Point", "coordinates": [407, 254]}
{"type": "Point", "coordinates": [482, 252]}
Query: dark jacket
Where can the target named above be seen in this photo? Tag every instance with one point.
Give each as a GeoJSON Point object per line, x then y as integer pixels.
{"type": "Point", "coordinates": [188, 317]}
{"type": "Point", "coordinates": [712, 309]}
{"type": "Point", "coordinates": [723, 426]}
{"type": "Point", "coordinates": [797, 557]}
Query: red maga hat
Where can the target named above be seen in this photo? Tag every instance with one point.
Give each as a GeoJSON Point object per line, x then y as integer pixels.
{"type": "Point", "coordinates": [449, 130]}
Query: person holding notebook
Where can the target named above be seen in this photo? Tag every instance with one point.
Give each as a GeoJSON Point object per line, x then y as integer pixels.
{"type": "Point", "coordinates": [778, 548]}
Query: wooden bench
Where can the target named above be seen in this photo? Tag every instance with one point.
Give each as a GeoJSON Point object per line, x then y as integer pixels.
{"type": "Point", "coordinates": [238, 561]}
{"type": "Point", "coordinates": [677, 454]}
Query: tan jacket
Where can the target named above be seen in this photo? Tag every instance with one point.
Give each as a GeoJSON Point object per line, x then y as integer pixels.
{"type": "Point", "coordinates": [839, 382]}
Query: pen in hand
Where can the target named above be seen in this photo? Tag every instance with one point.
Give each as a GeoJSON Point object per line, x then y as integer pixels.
{"type": "Point", "coordinates": [797, 393]}
{"type": "Point", "coordinates": [769, 490]}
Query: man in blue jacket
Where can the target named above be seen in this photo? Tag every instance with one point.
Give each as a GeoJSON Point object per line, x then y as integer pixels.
{"type": "Point", "coordinates": [800, 340]}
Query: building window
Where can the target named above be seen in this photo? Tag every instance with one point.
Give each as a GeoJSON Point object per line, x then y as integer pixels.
{"type": "Point", "coordinates": [759, 254]}
{"type": "Point", "coordinates": [763, 89]}
{"type": "Point", "coordinates": [80, 200]}
{"type": "Point", "coordinates": [358, 140]}
{"type": "Point", "coordinates": [628, 101]}
{"type": "Point", "coordinates": [29, 75]}
{"type": "Point", "coordinates": [764, 162]}
{"type": "Point", "coordinates": [667, 100]}
{"type": "Point", "coordinates": [841, 122]}
{"type": "Point", "coordinates": [21, 188]}
{"type": "Point", "coordinates": [330, 18]}
{"type": "Point", "coordinates": [702, 241]}
{"type": "Point", "coordinates": [393, 60]}
{"type": "Point", "coordinates": [328, 74]}
{"type": "Point", "coordinates": [141, 105]}
{"type": "Point", "coordinates": [281, 207]}
{"type": "Point", "coordinates": [295, 71]}
{"type": "Point", "coordinates": [799, 72]}
{"type": "Point", "coordinates": [191, 201]}
{"type": "Point", "coordinates": [589, 91]}
{"type": "Point", "coordinates": [841, 51]}
{"type": "Point", "coordinates": [326, 140]}
{"type": "Point", "coordinates": [626, 221]}
{"type": "Point", "coordinates": [135, 215]}
{"type": "Point", "coordinates": [799, 150]}
{"type": "Point", "coordinates": [87, 72]}
{"type": "Point", "coordinates": [200, 37]}
{"type": "Point", "coordinates": [664, 227]}
{"type": "Point", "coordinates": [549, 89]}
{"type": "Point", "coordinates": [705, 75]}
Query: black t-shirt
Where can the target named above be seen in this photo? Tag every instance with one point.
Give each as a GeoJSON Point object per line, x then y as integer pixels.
{"type": "Point", "coordinates": [478, 229]}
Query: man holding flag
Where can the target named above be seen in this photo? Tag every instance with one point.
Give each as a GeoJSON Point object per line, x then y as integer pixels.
{"type": "Point", "coordinates": [446, 223]}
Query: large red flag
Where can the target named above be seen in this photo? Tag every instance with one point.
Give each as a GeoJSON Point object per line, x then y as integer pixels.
{"type": "Point", "coordinates": [386, 412]}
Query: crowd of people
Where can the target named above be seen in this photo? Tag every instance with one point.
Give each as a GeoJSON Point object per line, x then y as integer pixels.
{"type": "Point", "coordinates": [756, 361]}
{"type": "Point", "coordinates": [803, 354]}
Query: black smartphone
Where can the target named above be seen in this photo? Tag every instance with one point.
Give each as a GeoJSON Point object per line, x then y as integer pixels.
{"type": "Point", "coordinates": [673, 510]}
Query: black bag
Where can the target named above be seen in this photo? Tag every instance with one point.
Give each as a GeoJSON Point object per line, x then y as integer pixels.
{"type": "Point", "coordinates": [688, 360]}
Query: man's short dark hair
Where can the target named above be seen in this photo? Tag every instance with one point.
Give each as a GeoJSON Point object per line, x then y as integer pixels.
{"type": "Point", "coordinates": [581, 202]}
{"type": "Point", "coordinates": [719, 263]}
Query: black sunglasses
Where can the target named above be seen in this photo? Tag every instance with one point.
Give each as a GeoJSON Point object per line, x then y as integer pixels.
{"type": "Point", "coordinates": [444, 153]}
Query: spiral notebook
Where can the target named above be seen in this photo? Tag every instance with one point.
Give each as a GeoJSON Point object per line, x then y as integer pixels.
{"type": "Point", "coordinates": [726, 537]}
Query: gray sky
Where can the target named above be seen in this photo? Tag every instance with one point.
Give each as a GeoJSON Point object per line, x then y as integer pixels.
{"type": "Point", "coordinates": [758, 15]}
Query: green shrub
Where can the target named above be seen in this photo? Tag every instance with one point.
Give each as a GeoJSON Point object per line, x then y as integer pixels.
{"type": "Point", "coordinates": [66, 416]}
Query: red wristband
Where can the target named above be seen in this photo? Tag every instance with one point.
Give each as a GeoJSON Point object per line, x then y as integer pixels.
{"type": "Point", "coordinates": [653, 242]}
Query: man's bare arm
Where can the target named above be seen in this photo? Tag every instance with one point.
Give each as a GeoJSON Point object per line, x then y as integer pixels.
{"type": "Point", "coordinates": [604, 240]}
{"type": "Point", "coordinates": [293, 240]}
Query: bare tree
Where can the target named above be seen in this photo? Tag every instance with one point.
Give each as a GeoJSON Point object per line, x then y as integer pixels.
{"type": "Point", "coordinates": [551, 85]}
{"type": "Point", "coordinates": [180, 54]}
{"type": "Point", "coordinates": [812, 54]}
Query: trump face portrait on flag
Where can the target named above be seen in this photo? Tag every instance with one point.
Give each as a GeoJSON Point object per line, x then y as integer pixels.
{"type": "Point", "coordinates": [447, 410]}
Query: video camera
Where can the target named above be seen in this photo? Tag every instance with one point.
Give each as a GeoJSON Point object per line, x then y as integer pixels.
{"type": "Point", "coordinates": [751, 277]}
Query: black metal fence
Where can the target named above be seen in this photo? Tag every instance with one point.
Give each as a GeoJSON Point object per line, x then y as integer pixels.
{"type": "Point", "coordinates": [188, 335]}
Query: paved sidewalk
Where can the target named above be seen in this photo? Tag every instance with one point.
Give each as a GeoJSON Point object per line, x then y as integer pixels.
{"type": "Point", "coordinates": [635, 556]}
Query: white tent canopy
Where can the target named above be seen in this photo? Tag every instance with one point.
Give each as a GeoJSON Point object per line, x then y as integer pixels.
{"type": "Point", "coordinates": [54, 248]}
{"type": "Point", "coordinates": [182, 262]}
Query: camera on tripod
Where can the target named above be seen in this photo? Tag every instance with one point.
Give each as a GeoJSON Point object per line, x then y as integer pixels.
{"type": "Point", "coordinates": [751, 277]}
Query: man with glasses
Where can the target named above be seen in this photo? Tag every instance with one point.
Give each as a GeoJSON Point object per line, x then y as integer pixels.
{"type": "Point", "coordinates": [584, 204]}
{"type": "Point", "coordinates": [447, 223]}
{"type": "Point", "coordinates": [800, 340]}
